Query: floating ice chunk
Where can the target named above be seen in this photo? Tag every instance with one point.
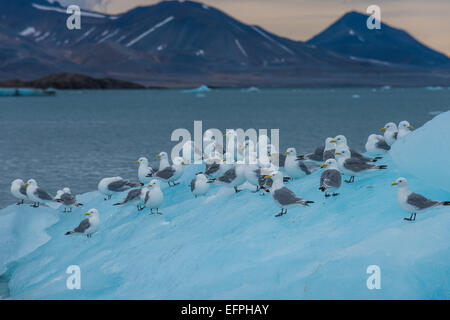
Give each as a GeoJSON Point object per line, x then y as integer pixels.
{"type": "Point", "coordinates": [28, 31]}
{"type": "Point", "coordinates": [202, 88]}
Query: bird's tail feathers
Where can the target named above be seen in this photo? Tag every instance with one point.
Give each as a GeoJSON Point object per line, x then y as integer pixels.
{"type": "Point", "coordinates": [68, 233]}
{"type": "Point", "coordinates": [446, 203]}
{"type": "Point", "coordinates": [383, 166]}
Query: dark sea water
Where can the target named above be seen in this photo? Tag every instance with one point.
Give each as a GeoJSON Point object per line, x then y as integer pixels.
{"type": "Point", "coordinates": [79, 137]}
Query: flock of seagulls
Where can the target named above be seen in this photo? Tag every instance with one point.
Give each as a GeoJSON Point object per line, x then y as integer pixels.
{"type": "Point", "coordinates": [267, 174]}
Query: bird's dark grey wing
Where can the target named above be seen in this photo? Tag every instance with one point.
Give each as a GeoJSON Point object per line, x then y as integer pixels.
{"type": "Point", "coordinates": [318, 154]}
{"type": "Point", "coordinates": [193, 185]}
{"type": "Point", "coordinates": [133, 194]}
{"type": "Point", "coordinates": [285, 196]}
{"type": "Point", "coordinates": [212, 168]}
{"type": "Point", "coordinates": [23, 190]}
{"type": "Point", "coordinates": [42, 194]}
{"type": "Point", "coordinates": [83, 226]}
{"type": "Point", "coordinates": [303, 167]}
{"type": "Point", "coordinates": [330, 178]}
{"type": "Point", "coordinates": [395, 135]}
{"type": "Point", "coordinates": [119, 185]}
{"type": "Point", "coordinates": [68, 199]}
{"type": "Point", "coordinates": [165, 173]}
{"type": "Point", "coordinates": [357, 165]}
{"type": "Point", "coordinates": [228, 176]}
{"type": "Point", "coordinates": [358, 155]}
{"type": "Point", "coordinates": [328, 154]}
{"type": "Point", "coordinates": [420, 202]}
{"type": "Point", "coordinates": [381, 144]}
{"type": "Point", "coordinates": [147, 195]}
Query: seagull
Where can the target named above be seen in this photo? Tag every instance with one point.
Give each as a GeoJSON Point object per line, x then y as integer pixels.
{"type": "Point", "coordinates": [19, 190]}
{"type": "Point", "coordinates": [108, 186]}
{"type": "Point", "coordinates": [404, 128]}
{"type": "Point", "coordinates": [233, 177]}
{"type": "Point", "coordinates": [296, 168]}
{"type": "Point", "coordinates": [331, 179]}
{"type": "Point", "coordinates": [413, 202]}
{"type": "Point", "coordinates": [353, 166]}
{"type": "Point", "coordinates": [341, 141]}
{"type": "Point", "coordinates": [144, 170]}
{"type": "Point", "coordinates": [134, 195]}
{"type": "Point", "coordinates": [169, 173]}
{"type": "Point", "coordinates": [68, 200]}
{"type": "Point", "coordinates": [330, 146]}
{"type": "Point", "coordinates": [377, 145]}
{"type": "Point", "coordinates": [199, 185]}
{"type": "Point", "coordinates": [283, 196]}
{"type": "Point", "coordinates": [213, 167]}
{"type": "Point", "coordinates": [252, 171]}
{"type": "Point", "coordinates": [153, 197]}
{"type": "Point", "coordinates": [390, 133]}
{"type": "Point", "coordinates": [89, 225]}
{"type": "Point", "coordinates": [38, 195]}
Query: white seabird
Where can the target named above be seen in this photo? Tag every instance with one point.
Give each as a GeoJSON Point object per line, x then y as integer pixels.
{"type": "Point", "coordinates": [404, 128]}
{"type": "Point", "coordinates": [169, 173]}
{"type": "Point", "coordinates": [413, 202]}
{"type": "Point", "coordinates": [283, 196]}
{"type": "Point", "coordinates": [153, 197]}
{"type": "Point", "coordinates": [68, 200]}
{"type": "Point", "coordinates": [144, 170]}
{"type": "Point", "coordinates": [329, 150]}
{"type": "Point", "coordinates": [353, 166]}
{"type": "Point", "coordinates": [233, 177]}
{"type": "Point", "coordinates": [108, 186]}
{"type": "Point", "coordinates": [390, 133]}
{"type": "Point", "coordinates": [296, 168]}
{"type": "Point", "coordinates": [376, 144]}
{"type": "Point", "coordinates": [331, 179]}
{"type": "Point", "coordinates": [341, 141]}
{"type": "Point", "coordinates": [133, 196]}
{"type": "Point", "coordinates": [19, 190]}
{"type": "Point", "coordinates": [199, 185]}
{"type": "Point", "coordinates": [38, 195]}
{"type": "Point", "coordinates": [89, 225]}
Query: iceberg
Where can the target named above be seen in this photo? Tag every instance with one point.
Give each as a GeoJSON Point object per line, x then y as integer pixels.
{"type": "Point", "coordinates": [230, 246]}
{"type": "Point", "coordinates": [201, 89]}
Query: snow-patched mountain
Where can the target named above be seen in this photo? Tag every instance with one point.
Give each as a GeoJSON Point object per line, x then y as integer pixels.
{"type": "Point", "coordinates": [173, 44]}
{"type": "Point", "coordinates": [349, 36]}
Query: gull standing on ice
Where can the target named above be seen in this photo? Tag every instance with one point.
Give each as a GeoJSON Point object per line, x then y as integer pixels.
{"type": "Point", "coordinates": [133, 196]}
{"type": "Point", "coordinates": [404, 128]}
{"type": "Point", "coordinates": [169, 173]}
{"type": "Point", "coordinates": [341, 141]}
{"type": "Point", "coordinates": [390, 133]}
{"type": "Point", "coordinates": [19, 190]}
{"type": "Point", "coordinates": [233, 177]}
{"type": "Point", "coordinates": [199, 185]}
{"type": "Point", "coordinates": [153, 197]}
{"type": "Point", "coordinates": [38, 195]}
{"type": "Point", "coordinates": [413, 202]}
{"type": "Point", "coordinates": [283, 196]}
{"type": "Point", "coordinates": [331, 179]}
{"type": "Point", "coordinates": [376, 144]}
{"type": "Point", "coordinates": [144, 170]}
{"type": "Point", "coordinates": [353, 166]}
{"type": "Point", "coordinates": [89, 225]}
{"type": "Point", "coordinates": [296, 168]}
{"type": "Point", "coordinates": [108, 186]}
{"type": "Point", "coordinates": [68, 200]}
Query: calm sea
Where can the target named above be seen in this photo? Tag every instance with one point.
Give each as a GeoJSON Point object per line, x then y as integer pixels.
{"type": "Point", "coordinates": [78, 137]}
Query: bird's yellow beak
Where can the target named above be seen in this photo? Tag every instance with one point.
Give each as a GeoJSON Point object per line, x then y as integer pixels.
{"type": "Point", "coordinates": [137, 161]}
{"type": "Point", "coordinates": [286, 153]}
{"type": "Point", "coordinates": [87, 214]}
{"type": "Point", "coordinates": [158, 156]}
{"type": "Point", "coordinates": [25, 184]}
{"type": "Point", "coordinates": [394, 184]}
{"type": "Point", "coordinates": [224, 134]}
{"type": "Point", "coordinates": [410, 127]}
{"type": "Point", "coordinates": [333, 141]}
{"type": "Point", "coordinates": [338, 153]}
{"type": "Point", "coordinates": [182, 162]}
{"type": "Point", "coordinates": [242, 147]}
{"type": "Point", "coordinates": [150, 185]}
{"type": "Point", "coordinates": [323, 166]}
{"type": "Point", "coordinates": [383, 129]}
{"type": "Point", "coordinates": [267, 177]}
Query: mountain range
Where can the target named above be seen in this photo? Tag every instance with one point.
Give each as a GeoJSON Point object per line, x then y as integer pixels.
{"type": "Point", "coordinates": [184, 44]}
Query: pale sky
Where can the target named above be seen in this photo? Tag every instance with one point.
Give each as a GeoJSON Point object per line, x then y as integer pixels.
{"type": "Point", "coordinates": [426, 20]}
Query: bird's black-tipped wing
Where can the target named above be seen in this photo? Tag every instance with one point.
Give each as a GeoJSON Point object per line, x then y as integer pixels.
{"type": "Point", "coordinates": [42, 194]}
{"type": "Point", "coordinates": [193, 185]}
{"type": "Point", "coordinates": [228, 176]}
{"type": "Point", "coordinates": [284, 196]}
{"type": "Point", "coordinates": [330, 178]}
{"type": "Point", "coordinates": [83, 226]}
{"type": "Point", "coordinates": [420, 202]}
{"type": "Point", "coordinates": [165, 173]}
{"type": "Point", "coordinates": [357, 165]}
